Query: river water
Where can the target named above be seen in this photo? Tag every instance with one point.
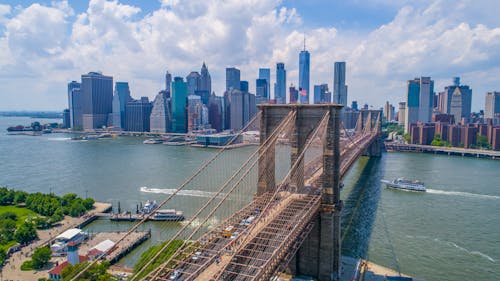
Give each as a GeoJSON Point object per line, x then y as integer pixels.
{"type": "Point", "coordinates": [452, 232]}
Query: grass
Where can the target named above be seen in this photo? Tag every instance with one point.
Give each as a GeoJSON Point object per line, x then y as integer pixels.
{"type": "Point", "coordinates": [21, 212]}
{"type": "Point", "coordinates": [148, 254]}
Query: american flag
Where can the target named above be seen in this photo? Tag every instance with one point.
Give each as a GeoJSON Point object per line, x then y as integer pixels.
{"type": "Point", "coordinates": [302, 92]}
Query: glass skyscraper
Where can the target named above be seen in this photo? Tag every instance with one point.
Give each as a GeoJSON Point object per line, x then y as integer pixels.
{"type": "Point", "coordinates": [339, 86]}
{"type": "Point", "coordinates": [419, 101]}
{"type": "Point", "coordinates": [304, 63]}
{"type": "Point", "coordinates": [179, 103]}
{"type": "Point", "coordinates": [232, 78]}
{"type": "Point", "coordinates": [97, 95]}
{"type": "Point", "coordinates": [280, 85]}
{"type": "Point", "coordinates": [265, 73]}
{"type": "Point", "coordinates": [75, 105]}
{"type": "Point", "coordinates": [120, 100]}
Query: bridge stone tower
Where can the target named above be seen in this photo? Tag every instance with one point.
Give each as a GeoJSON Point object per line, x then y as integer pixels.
{"type": "Point", "coordinates": [320, 254]}
{"type": "Point", "coordinates": [367, 119]}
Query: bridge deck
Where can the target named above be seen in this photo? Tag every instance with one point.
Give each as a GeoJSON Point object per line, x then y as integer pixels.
{"type": "Point", "coordinates": [258, 250]}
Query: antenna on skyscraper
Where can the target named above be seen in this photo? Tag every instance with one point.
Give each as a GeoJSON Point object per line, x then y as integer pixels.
{"type": "Point", "coordinates": [304, 41]}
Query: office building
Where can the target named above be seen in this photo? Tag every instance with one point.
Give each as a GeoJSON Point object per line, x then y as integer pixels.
{"type": "Point", "coordinates": [239, 109]}
{"type": "Point", "coordinates": [138, 113]}
{"type": "Point", "coordinates": [66, 119]}
{"type": "Point", "coordinates": [265, 73]}
{"type": "Point", "coordinates": [120, 100]}
{"type": "Point", "coordinates": [197, 114]}
{"type": "Point", "coordinates": [244, 86]}
{"type": "Point", "coordinates": [304, 64]}
{"type": "Point", "coordinates": [179, 104]}
{"type": "Point", "coordinates": [160, 114]}
{"type": "Point", "coordinates": [168, 83]}
{"type": "Point", "coordinates": [205, 86]}
{"type": "Point", "coordinates": [280, 85]}
{"type": "Point", "coordinates": [232, 78]}
{"type": "Point", "coordinates": [205, 80]}
{"type": "Point", "coordinates": [261, 88]}
{"type": "Point", "coordinates": [339, 86]}
{"type": "Point", "coordinates": [456, 99]}
{"type": "Point", "coordinates": [321, 94]}
{"type": "Point", "coordinates": [293, 94]}
{"type": "Point", "coordinates": [419, 101]}
{"type": "Point", "coordinates": [97, 95]}
{"type": "Point", "coordinates": [75, 105]}
{"type": "Point", "coordinates": [492, 105]}
{"type": "Point", "coordinates": [401, 113]}
{"type": "Point", "coordinates": [216, 112]}
{"type": "Point", "coordinates": [193, 81]}
{"type": "Point", "coordinates": [354, 105]}
{"type": "Point", "coordinates": [389, 112]}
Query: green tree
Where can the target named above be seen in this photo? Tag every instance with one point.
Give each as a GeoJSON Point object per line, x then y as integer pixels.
{"type": "Point", "coordinates": [20, 197]}
{"type": "Point", "coordinates": [25, 233]}
{"type": "Point", "coordinates": [7, 230]}
{"type": "Point", "coordinates": [482, 142]}
{"type": "Point", "coordinates": [96, 272]}
{"type": "Point", "coordinates": [88, 203]}
{"type": "Point", "coordinates": [6, 196]}
{"type": "Point", "coordinates": [76, 208]}
{"type": "Point", "coordinates": [407, 137]}
{"type": "Point", "coordinates": [41, 257]}
{"type": "Point", "coordinates": [3, 255]}
{"type": "Point", "coordinates": [57, 216]}
{"type": "Point", "coordinates": [8, 216]}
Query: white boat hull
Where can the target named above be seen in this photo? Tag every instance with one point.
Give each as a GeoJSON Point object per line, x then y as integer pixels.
{"type": "Point", "coordinates": [393, 185]}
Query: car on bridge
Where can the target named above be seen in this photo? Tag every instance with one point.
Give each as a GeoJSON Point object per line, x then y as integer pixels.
{"type": "Point", "coordinates": [247, 221]}
{"type": "Point", "coordinates": [228, 231]}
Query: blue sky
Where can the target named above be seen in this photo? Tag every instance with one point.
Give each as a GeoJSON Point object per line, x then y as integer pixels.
{"type": "Point", "coordinates": [46, 44]}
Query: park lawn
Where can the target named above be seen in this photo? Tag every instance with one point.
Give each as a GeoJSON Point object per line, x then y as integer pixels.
{"type": "Point", "coordinates": [21, 212]}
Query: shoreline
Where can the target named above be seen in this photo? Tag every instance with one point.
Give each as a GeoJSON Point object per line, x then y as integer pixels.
{"type": "Point", "coordinates": [452, 151]}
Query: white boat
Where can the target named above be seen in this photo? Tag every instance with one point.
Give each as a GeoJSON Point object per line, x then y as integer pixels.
{"type": "Point", "coordinates": [403, 184]}
{"type": "Point", "coordinates": [168, 215]}
{"type": "Point", "coordinates": [153, 141]}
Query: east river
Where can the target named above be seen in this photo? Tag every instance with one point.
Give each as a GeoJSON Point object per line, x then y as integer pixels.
{"type": "Point", "coordinates": [452, 232]}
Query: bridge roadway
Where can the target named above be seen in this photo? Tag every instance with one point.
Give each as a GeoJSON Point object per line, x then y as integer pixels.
{"type": "Point", "coordinates": [267, 245]}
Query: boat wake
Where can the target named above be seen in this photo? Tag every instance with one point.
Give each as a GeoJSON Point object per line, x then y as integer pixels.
{"type": "Point", "coordinates": [463, 194]}
{"type": "Point", "coordinates": [185, 192]}
{"type": "Point", "coordinates": [59, 139]}
{"type": "Point", "coordinates": [476, 253]}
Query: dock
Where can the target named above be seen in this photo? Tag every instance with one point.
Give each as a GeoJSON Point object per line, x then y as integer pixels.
{"type": "Point", "coordinates": [132, 217]}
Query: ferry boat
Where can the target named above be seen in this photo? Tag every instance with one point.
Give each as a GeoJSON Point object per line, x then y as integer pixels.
{"type": "Point", "coordinates": [403, 184]}
{"type": "Point", "coordinates": [168, 215]}
{"type": "Point", "coordinates": [149, 207]}
{"type": "Point", "coordinates": [153, 141]}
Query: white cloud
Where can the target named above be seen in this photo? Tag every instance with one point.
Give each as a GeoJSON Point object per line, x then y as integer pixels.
{"type": "Point", "coordinates": [53, 44]}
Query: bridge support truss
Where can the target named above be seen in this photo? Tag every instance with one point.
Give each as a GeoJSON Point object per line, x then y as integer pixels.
{"type": "Point", "coordinates": [320, 253]}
